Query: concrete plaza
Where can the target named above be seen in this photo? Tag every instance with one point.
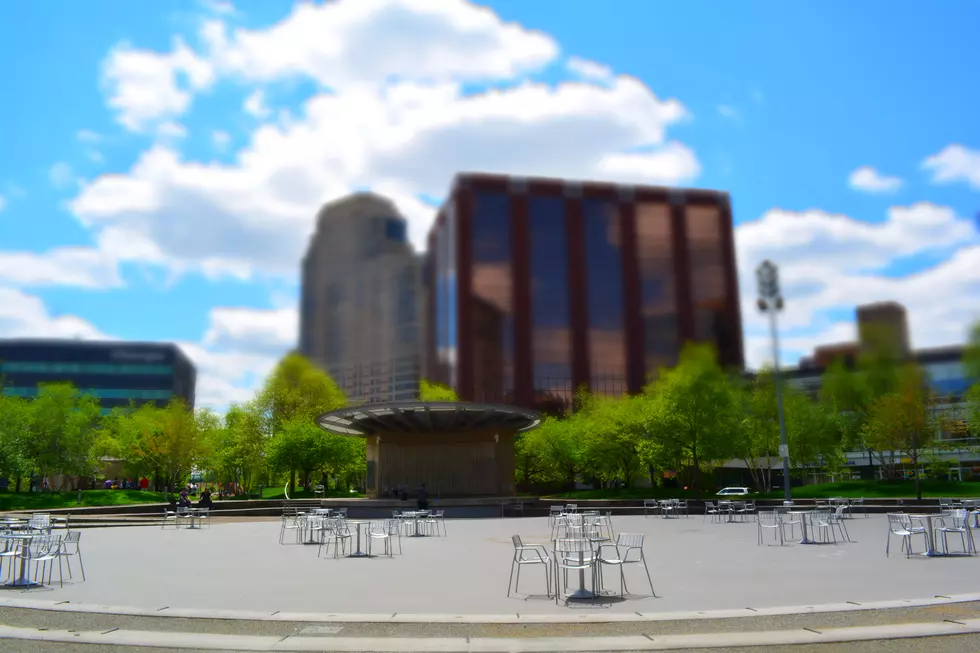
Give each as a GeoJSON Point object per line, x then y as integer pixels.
{"type": "Point", "coordinates": [695, 565]}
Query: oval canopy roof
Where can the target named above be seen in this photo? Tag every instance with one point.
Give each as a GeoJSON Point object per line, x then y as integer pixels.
{"type": "Point", "coordinates": [426, 417]}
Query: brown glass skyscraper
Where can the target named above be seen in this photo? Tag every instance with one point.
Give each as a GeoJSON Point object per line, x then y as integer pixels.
{"type": "Point", "coordinates": [538, 286]}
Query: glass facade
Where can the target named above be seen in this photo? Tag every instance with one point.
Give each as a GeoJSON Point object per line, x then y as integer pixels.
{"type": "Point", "coordinates": [444, 296]}
{"type": "Point", "coordinates": [947, 377]}
{"type": "Point", "coordinates": [550, 316]}
{"type": "Point", "coordinates": [491, 302]}
{"type": "Point", "coordinates": [604, 289]}
{"type": "Point", "coordinates": [654, 246]}
{"type": "Point", "coordinates": [116, 373]}
{"type": "Point", "coordinates": [704, 246]}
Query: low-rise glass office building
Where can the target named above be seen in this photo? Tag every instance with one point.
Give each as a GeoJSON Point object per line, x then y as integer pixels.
{"type": "Point", "coordinates": [116, 372]}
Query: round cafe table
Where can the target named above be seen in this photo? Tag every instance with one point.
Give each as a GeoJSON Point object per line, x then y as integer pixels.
{"type": "Point", "coordinates": [23, 579]}
{"type": "Point", "coordinates": [358, 524]}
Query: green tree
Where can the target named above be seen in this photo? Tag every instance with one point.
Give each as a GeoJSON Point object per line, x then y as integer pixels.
{"type": "Point", "coordinates": [812, 431]}
{"type": "Point", "coordinates": [63, 423]}
{"type": "Point", "coordinates": [904, 421]}
{"type": "Point", "coordinates": [561, 449]}
{"type": "Point", "coordinates": [698, 410]}
{"type": "Point", "coordinates": [756, 434]}
{"type": "Point", "coordinates": [299, 445]}
{"type": "Point", "coordinates": [236, 452]}
{"type": "Point", "coordinates": [15, 422]}
{"type": "Point", "coordinates": [167, 440]}
{"type": "Point", "coordinates": [971, 355]}
{"type": "Point", "coordinates": [436, 392]}
{"type": "Point", "coordinates": [612, 429]}
{"type": "Point", "coordinates": [293, 396]}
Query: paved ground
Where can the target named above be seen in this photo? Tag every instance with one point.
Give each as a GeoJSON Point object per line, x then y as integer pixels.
{"type": "Point", "coordinates": [694, 565]}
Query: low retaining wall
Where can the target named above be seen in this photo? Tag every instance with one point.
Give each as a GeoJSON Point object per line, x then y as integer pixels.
{"type": "Point", "coordinates": [473, 508]}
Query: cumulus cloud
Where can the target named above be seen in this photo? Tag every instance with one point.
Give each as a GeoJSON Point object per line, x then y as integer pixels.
{"type": "Point", "coordinates": [145, 87]}
{"type": "Point", "coordinates": [869, 180]}
{"type": "Point", "coordinates": [61, 175]}
{"type": "Point", "coordinates": [79, 267]}
{"type": "Point", "coordinates": [255, 105]}
{"type": "Point", "coordinates": [336, 44]}
{"type": "Point", "coordinates": [25, 316]}
{"type": "Point", "coordinates": [387, 111]}
{"type": "Point", "coordinates": [588, 69]}
{"type": "Point", "coordinates": [401, 120]}
{"type": "Point", "coordinates": [832, 262]}
{"type": "Point", "coordinates": [955, 163]}
{"type": "Point", "coordinates": [245, 328]}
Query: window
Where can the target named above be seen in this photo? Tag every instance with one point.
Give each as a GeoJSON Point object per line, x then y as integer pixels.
{"type": "Point", "coordinates": [491, 306]}
{"type": "Point", "coordinates": [654, 244]}
{"type": "Point", "coordinates": [551, 335]}
{"type": "Point", "coordinates": [704, 245]}
{"type": "Point", "coordinates": [604, 288]}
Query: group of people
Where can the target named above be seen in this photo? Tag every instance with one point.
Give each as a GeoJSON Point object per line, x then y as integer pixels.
{"type": "Point", "coordinates": [184, 499]}
{"type": "Point", "coordinates": [127, 484]}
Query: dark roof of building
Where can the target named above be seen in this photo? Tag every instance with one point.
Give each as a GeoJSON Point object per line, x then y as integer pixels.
{"type": "Point", "coordinates": [426, 417]}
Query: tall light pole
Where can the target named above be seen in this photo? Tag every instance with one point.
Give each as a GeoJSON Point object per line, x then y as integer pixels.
{"type": "Point", "coordinates": [771, 302]}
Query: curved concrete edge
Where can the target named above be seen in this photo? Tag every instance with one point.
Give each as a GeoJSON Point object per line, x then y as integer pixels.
{"type": "Point", "coordinates": [512, 618]}
{"type": "Point", "coordinates": [201, 641]}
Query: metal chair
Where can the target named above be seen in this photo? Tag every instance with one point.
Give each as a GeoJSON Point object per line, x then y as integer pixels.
{"type": "Point", "coordinates": [961, 521]}
{"type": "Point", "coordinates": [899, 524]}
{"type": "Point", "coordinates": [379, 530]}
{"type": "Point", "coordinates": [528, 554]}
{"type": "Point", "coordinates": [70, 547]}
{"type": "Point", "coordinates": [769, 519]}
{"type": "Point", "coordinates": [626, 544]}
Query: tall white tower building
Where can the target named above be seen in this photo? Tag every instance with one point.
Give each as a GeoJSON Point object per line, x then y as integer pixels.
{"type": "Point", "coordinates": [360, 313]}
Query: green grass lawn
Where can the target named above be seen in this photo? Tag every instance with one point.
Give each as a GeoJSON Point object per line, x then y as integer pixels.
{"type": "Point", "coordinates": [49, 500]}
{"type": "Point", "coordinates": [848, 489]}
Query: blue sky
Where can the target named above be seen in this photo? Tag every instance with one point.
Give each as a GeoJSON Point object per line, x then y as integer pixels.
{"type": "Point", "coordinates": [184, 176]}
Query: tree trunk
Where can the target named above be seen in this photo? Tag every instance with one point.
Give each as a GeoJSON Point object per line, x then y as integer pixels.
{"type": "Point", "coordinates": [918, 485]}
{"type": "Point", "coordinates": [653, 475]}
{"type": "Point", "coordinates": [292, 481]}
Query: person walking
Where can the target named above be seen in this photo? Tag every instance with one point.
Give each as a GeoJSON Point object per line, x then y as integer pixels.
{"type": "Point", "coordinates": [423, 497]}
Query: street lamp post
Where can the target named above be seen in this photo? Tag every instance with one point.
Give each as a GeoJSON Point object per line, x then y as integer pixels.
{"type": "Point", "coordinates": [771, 302]}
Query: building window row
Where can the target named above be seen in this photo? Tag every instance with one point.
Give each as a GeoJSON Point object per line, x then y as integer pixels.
{"type": "Point", "coordinates": [101, 393]}
{"type": "Point", "coordinates": [83, 368]}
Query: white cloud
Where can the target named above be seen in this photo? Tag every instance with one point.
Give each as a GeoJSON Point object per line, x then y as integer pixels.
{"type": "Point", "coordinates": [869, 180]}
{"type": "Point", "coordinates": [3, 203]}
{"type": "Point", "coordinates": [25, 316]}
{"type": "Point", "coordinates": [255, 105]}
{"type": "Point", "coordinates": [253, 329]}
{"type": "Point", "coordinates": [220, 139]}
{"type": "Point", "coordinates": [835, 262]}
{"type": "Point", "coordinates": [589, 69]}
{"type": "Point", "coordinates": [221, 7]}
{"type": "Point", "coordinates": [80, 267]}
{"type": "Point", "coordinates": [730, 112]}
{"type": "Point", "coordinates": [955, 163]}
{"type": "Point", "coordinates": [145, 87]}
{"type": "Point", "coordinates": [88, 136]}
{"type": "Point", "coordinates": [226, 377]}
{"type": "Point", "coordinates": [171, 130]}
{"type": "Point", "coordinates": [337, 44]}
{"type": "Point", "coordinates": [405, 137]}
{"type": "Point", "coordinates": [61, 175]}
